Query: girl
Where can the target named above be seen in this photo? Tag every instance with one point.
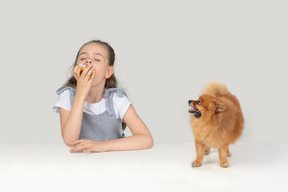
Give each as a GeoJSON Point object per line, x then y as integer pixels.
{"type": "Point", "coordinates": [92, 109]}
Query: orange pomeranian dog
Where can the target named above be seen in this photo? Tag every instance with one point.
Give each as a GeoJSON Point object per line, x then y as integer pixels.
{"type": "Point", "coordinates": [216, 120]}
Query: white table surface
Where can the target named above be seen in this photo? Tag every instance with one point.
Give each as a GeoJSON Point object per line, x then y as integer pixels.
{"type": "Point", "coordinates": [165, 167]}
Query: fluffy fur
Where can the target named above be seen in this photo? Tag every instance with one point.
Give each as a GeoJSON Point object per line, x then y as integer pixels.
{"type": "Point", "coordinates": [216, 120]}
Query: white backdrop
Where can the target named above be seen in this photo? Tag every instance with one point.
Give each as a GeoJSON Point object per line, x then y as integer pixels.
{"type": "Point", "coordinates": [165, 52]}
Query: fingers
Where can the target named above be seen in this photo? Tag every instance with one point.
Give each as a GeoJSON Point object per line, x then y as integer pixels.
{"type": "Point", "coordinates": [87, 151]}
{"type": "Point", "coordinates": [80, 145]}
{"type": "Point", "coordinates": [90, 74]}
{"type": "Point", "coordinates": [93, 74]}
{"type": "Point", "coordinates": [79, 148]}
{"type": "Point", "coordinates": [86, 73]}
{"type": "Point", "coordinates": [78, 141]}
{"type": "Point", "coordinates": [87, 146]}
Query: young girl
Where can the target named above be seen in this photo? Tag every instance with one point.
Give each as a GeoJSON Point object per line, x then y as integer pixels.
{"type": "Point", "coordinates": [92, 109]}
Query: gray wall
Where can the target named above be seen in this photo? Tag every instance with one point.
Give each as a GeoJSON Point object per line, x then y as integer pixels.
{"type": "Point", "coordinates": [166, 52]}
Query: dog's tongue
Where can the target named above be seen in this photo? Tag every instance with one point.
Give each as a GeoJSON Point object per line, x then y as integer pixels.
{"type": "Point", "coordinates": [192, 110]}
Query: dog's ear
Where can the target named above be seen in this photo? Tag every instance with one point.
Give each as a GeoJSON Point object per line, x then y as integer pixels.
{"type": "Point", "coordinates": [220, 106]}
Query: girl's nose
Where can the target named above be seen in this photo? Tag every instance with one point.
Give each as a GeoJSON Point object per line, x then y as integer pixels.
{"type": "Point", "coordinates": [88, 61]}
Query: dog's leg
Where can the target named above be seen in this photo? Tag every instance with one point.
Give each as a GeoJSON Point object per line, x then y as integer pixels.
{"type": "Point", "coordinates": [207, 150]}
{"type": "Point", "coordinates": [223, 156]}
{"type": "Point", "coordinates": [229, 154]}
{"type": "Point", "coordinates": [200, 150]}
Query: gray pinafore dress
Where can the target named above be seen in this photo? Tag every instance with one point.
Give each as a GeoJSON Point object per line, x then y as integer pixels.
{"type": "Point", "coordinates": [104, 126]}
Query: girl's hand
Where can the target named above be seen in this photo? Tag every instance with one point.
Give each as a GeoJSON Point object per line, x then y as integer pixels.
{"type": "Point", "coordinates": [87, 146]}
{"type": "Point", "coordinates": [84, 80]}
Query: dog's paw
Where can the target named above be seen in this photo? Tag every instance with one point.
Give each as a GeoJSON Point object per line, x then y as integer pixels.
{"type": "Point", "coordinates": [196, 164]}
{"type": "Point", "coordinates": [224, 164]}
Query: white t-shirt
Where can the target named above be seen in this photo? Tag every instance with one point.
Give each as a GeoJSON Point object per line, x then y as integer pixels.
{"type": "Point", "coordinates": [121, 105]}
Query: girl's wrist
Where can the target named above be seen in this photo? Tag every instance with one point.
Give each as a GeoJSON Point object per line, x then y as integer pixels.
{"type": "Point", "coordinates": [105, 146]}
{"type": "Point", "coordinates": [80, 97]}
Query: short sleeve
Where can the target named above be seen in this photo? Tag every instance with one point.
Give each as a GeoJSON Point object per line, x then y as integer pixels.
{"type": "Point", "coordinates": [121, 105]}
{"type": "Point", "coordinates": [63, 101]}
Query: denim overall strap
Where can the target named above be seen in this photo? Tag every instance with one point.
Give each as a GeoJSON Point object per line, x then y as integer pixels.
{"type": "Point", "coordinates": [109, 98]}
{"type": "Point", "coordinates": [72, 91]}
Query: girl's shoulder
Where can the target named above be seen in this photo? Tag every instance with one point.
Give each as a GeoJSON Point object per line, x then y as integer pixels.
{"type": "Point", "coordinates": [62, 89]}
{"type": "Point", "coordinates": [109, 93]}
{"type": "Point", "coordinates": [65, 98]}
{"type": "Point", "coordinates": [117, 101]}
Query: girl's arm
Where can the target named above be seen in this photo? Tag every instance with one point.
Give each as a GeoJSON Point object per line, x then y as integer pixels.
{"type": "Point", "coordinates": [71, 120]}
{"type": "Point", "coordinates": [141, 138]}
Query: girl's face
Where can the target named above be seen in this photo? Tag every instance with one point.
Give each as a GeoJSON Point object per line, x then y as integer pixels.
{"type": "Point", "coordinates": [96, 55]}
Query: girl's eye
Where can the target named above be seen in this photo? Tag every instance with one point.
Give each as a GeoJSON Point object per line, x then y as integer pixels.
{"type": "Point", "coordinates": [97, 60]}
{"type": "Point", "coordinates": [199, 102]}
{"type": "Point", "coordinates": [82, 59]}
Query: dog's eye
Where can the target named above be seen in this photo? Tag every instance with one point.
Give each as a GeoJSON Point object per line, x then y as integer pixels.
{"type": "Point", "coordinates": [199, 102]}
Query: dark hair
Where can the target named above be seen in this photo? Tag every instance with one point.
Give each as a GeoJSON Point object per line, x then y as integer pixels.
{"type": "Point", "coordinates": [110, 82]}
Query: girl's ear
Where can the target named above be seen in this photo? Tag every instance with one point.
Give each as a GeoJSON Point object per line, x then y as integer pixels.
{"type": "Point", "coordinates": [109, 72]}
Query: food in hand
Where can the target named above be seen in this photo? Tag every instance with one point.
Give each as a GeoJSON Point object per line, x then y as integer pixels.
{"type": "Point", "coordinates": [83, 66]}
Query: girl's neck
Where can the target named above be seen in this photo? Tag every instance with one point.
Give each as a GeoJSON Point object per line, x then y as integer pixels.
{"type": "Point", "coordinates": [95, 94]}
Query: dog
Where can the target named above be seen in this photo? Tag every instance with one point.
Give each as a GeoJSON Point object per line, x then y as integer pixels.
{"type": "Point", "coordinates": [216, 120]}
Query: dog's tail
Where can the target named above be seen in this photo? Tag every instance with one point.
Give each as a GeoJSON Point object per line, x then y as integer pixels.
{"type": "Point", "coordinates": [215, 89]}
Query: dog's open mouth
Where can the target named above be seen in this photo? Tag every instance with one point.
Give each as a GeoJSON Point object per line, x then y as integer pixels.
{"type": "Point", "coordinates": [195, 112]}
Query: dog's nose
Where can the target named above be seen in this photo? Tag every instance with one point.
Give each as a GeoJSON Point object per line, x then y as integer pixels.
{"type": "Point", "coordinates": [189, 102]}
